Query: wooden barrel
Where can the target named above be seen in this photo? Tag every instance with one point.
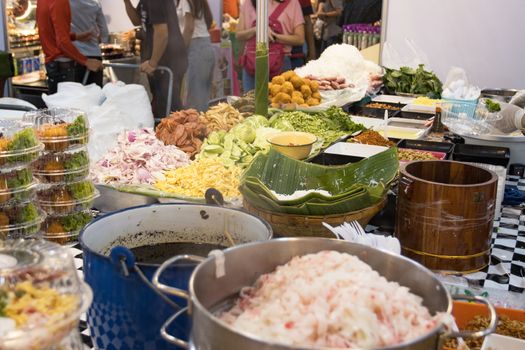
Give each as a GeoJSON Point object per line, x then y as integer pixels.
{"type": "Point", "coordinates": [445, 213]}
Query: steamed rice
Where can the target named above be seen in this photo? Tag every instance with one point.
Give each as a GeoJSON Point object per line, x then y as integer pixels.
{"type": "Point", "coordinates": [330, 299]}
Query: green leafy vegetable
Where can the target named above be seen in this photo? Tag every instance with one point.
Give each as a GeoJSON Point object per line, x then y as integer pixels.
{"type": "Point", "coordinates": [75, 221]}
{"type": "Point", "coordinates": [492, 106]}
{"type": "Point", "coordinates": [27, 213]}
{"type": "Point", "coordinates": [76, 161]}
{"type": "Point", "coordinates": [19, 178]}
{"type": "Point", "coordinates": [329, 125]}
{"type": "Point", "coordinates": [413, 81]}
{"type": "Point", "coordinates": [81, 190]}
{"type": "Point", "coordinates": [23, 140]}
{"type": "Point", "coordinates": [78, 127]}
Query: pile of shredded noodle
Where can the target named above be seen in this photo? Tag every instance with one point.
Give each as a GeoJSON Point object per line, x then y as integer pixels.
{"type": "Point", "coordinates": [28, 305]}
{"type": "Point", "coordinates": [330, 299]}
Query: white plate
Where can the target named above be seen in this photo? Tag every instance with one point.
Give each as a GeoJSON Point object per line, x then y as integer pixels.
{"type": "Point", "coordinates": [369, 123]}
{"type": "Point", "coordinates": [393, 99]}
{"type": "Point", "coordinates": [396, 132]}
{"type": "Point", "coordinates": [355, 149]}
{"type": "Point", "coordinates": [500, 342]}
{"type": "Point", "coordinates": [410, 123]}
{"type": "Point", "coordinates": [419, 109]}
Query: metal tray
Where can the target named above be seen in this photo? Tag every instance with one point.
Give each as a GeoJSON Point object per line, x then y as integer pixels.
{"type": "Point", "coordinates": [482, 154]}
{"type": "Point", "coordinates": [443, 147]}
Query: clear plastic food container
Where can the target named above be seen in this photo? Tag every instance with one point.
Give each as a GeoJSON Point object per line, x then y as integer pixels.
{"type": "Point", "coordinates": [60, 129]}
{"type": "Point", "coordinates": [64, 229]}
{"type": "Point", "coordinates": [41, 295]}
{"type": "Point", "coordinates": [65, 198]}
{"type": "Point", "coordinates": [16, 185]}
{"type": "Point", "coordinates": [69, 166]}
{"type": "Point", "coordinates": [20, 220]}
{"type": "Point", "coordinates": [19, 145]}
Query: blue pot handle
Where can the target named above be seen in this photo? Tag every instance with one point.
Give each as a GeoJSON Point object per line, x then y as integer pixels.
{"type": "Point", "coordinates": [123, 259]}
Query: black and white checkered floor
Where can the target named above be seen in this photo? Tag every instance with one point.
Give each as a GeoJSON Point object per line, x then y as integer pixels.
{"type": "Point", "coordinates": [506, 271]}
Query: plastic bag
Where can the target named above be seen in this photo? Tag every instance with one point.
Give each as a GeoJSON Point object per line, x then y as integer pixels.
{"type": "Point", "coordinates": [127, 107]}
{"type": "Point", "coordinates": [408, 56]}
{"type": "Point", "coordinates": [75, 95]}
{"type": "Point", "coordinates": [458, 87]}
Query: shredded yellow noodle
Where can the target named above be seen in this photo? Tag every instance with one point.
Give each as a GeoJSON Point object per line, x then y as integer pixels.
{"type": "Point", "coordinates": [193, 180]}
{"type": "Point", "coordinates": [43, 301]}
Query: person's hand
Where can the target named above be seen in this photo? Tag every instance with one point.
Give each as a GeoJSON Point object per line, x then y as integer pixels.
{"type": "Point", "coordinates": [148, 67]}
{"type": "Point", "coordinates": [518, 99]}
{"type": "Point", "coordinates": [512, 118]}
{"type": "Point", "coordinates": [93, 65]}
{"type": "Point", "coordinates": [85, 36]}
{"type": "Point", "coordinates": [272, 36]}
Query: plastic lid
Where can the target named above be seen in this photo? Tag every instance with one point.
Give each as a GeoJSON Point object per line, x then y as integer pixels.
{"type": "Point", "coordinates": [66, 166]}
{"type": "Point", "coordinates": [64, 228]}
{"type": "Point", "coordinates": [67, 193]}
{"type": "Point", "coordinates": [10, 196]}
{"type": "Point", "coordinates": [20, 220]}
{"type": "Point", "coordinates": [32, 271]}
{"type": "Point", "coordinates": [60, 128]}
{"type": "Point", "coordinates": [19, 144]}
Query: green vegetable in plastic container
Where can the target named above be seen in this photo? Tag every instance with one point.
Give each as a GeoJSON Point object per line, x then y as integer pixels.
{"type": "Point", "coordinates": [78, 127]}
{"type": "Point", "coordinates": [492, 106]}
{"type": "Point", "coordinates": [81, 190]}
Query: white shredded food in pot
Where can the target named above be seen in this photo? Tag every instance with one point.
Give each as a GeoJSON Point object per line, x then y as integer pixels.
{"type": "Point", "coordinates": [330, 299]}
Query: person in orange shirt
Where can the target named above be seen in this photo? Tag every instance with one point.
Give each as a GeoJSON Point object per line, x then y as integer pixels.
{"type": "Point", "coordinates": [231, 7]}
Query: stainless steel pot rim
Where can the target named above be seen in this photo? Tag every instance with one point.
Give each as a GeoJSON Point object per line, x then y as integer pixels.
{"type": "Point", "coordinates": [196, 303]}
{"type": "Point", "coordinates": [82, 232]}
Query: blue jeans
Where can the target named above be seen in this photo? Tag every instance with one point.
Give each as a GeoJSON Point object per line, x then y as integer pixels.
{"type": "Point", "coordinates": [248, 81]}
{"type": "Point", "coordinates": [201, 59]}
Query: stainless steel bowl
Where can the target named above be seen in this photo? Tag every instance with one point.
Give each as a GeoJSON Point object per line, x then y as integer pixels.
{"type": "Point", "coordinates": [112, 200]}
{"type": "Point", "coordinates": [502, 95]}
{"type": "Point", "coordinates": [244, 264]}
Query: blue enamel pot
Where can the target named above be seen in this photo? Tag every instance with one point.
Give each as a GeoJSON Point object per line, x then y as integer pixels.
{"type": "Point", "coordinates": [127, 310]}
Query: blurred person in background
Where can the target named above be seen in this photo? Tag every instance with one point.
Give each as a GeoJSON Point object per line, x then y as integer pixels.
{"type": "Point", "coordinates": [231, 8]}
{"type": "Point", "coordinates": [292, 21]}
{"type": "Point", "coordinates": [361, 11]}
{"type": "Point", "coordinates": [329, 11]}
{"type": "Point", "coordinates": [307, 52]}
{"type": "Point", "coordinates": [162, 46]}
{"type": "Point", "coordinates": [195, 19]}
{"type": "Point", "coordinates": [53, 18]}
{"type": "Point", "coordinates": [87, 16]}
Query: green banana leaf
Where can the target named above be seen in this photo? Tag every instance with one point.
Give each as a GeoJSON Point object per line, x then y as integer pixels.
{"type": "Point", "coordinates": [353, 186]}
{"type": "Point", "coordinates": [285, 175]}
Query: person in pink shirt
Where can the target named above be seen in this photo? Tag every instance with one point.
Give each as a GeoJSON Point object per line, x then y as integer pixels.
{"type": "Point", "coordinates": [292, 22]}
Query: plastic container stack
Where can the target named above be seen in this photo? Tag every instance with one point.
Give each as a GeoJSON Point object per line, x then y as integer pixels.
{"type": "Point", "coordinates": [361, 35]}
{"type": "Point", "coordinates": [19, 147]}
{"type": "Point", "coordinates": [65, 192]}
{"type": "Point", "coordinates": [42, 297]}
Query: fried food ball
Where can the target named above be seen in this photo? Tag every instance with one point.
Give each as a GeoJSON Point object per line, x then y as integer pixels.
{"type": "Point", "coordinates": [317, 95]}
{"type": "Point", "coordinates": [278, 80]}
{"type": "Point", "coordinates": [289, 75]}
{"type": "Point", "coordinates": [297, 82]}
{"type": "Point", "coordinates": [287, 88]}
{"type": "Point", "coordinates": [275, 89]}
{"type": "Point", "coordinates": [314, 86]}
{"type": "Point", "coordinates": [298, 100]}
{"type": "Point", "coordinates": [275, 105]}
{"type": "Point", "coordinates": [312, 101]}
{"type": "Point", "coordinates": [289, 106]}
{"type": "Point", "coordinates": [297, 94]}
{"type": "Point", "coordinates": [306, 91]}
{"type": "Point", "coordinates": [283, 98]}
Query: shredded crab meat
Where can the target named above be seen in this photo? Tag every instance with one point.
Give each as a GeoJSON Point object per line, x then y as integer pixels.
{"type": "Point", "coordinates": [138, 158]}
{"type": "Point", "coordinates": [333, 300]}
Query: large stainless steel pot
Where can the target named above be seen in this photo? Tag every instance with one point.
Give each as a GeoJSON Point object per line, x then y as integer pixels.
{"type": "Point", "coordinates": [244, 264]}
